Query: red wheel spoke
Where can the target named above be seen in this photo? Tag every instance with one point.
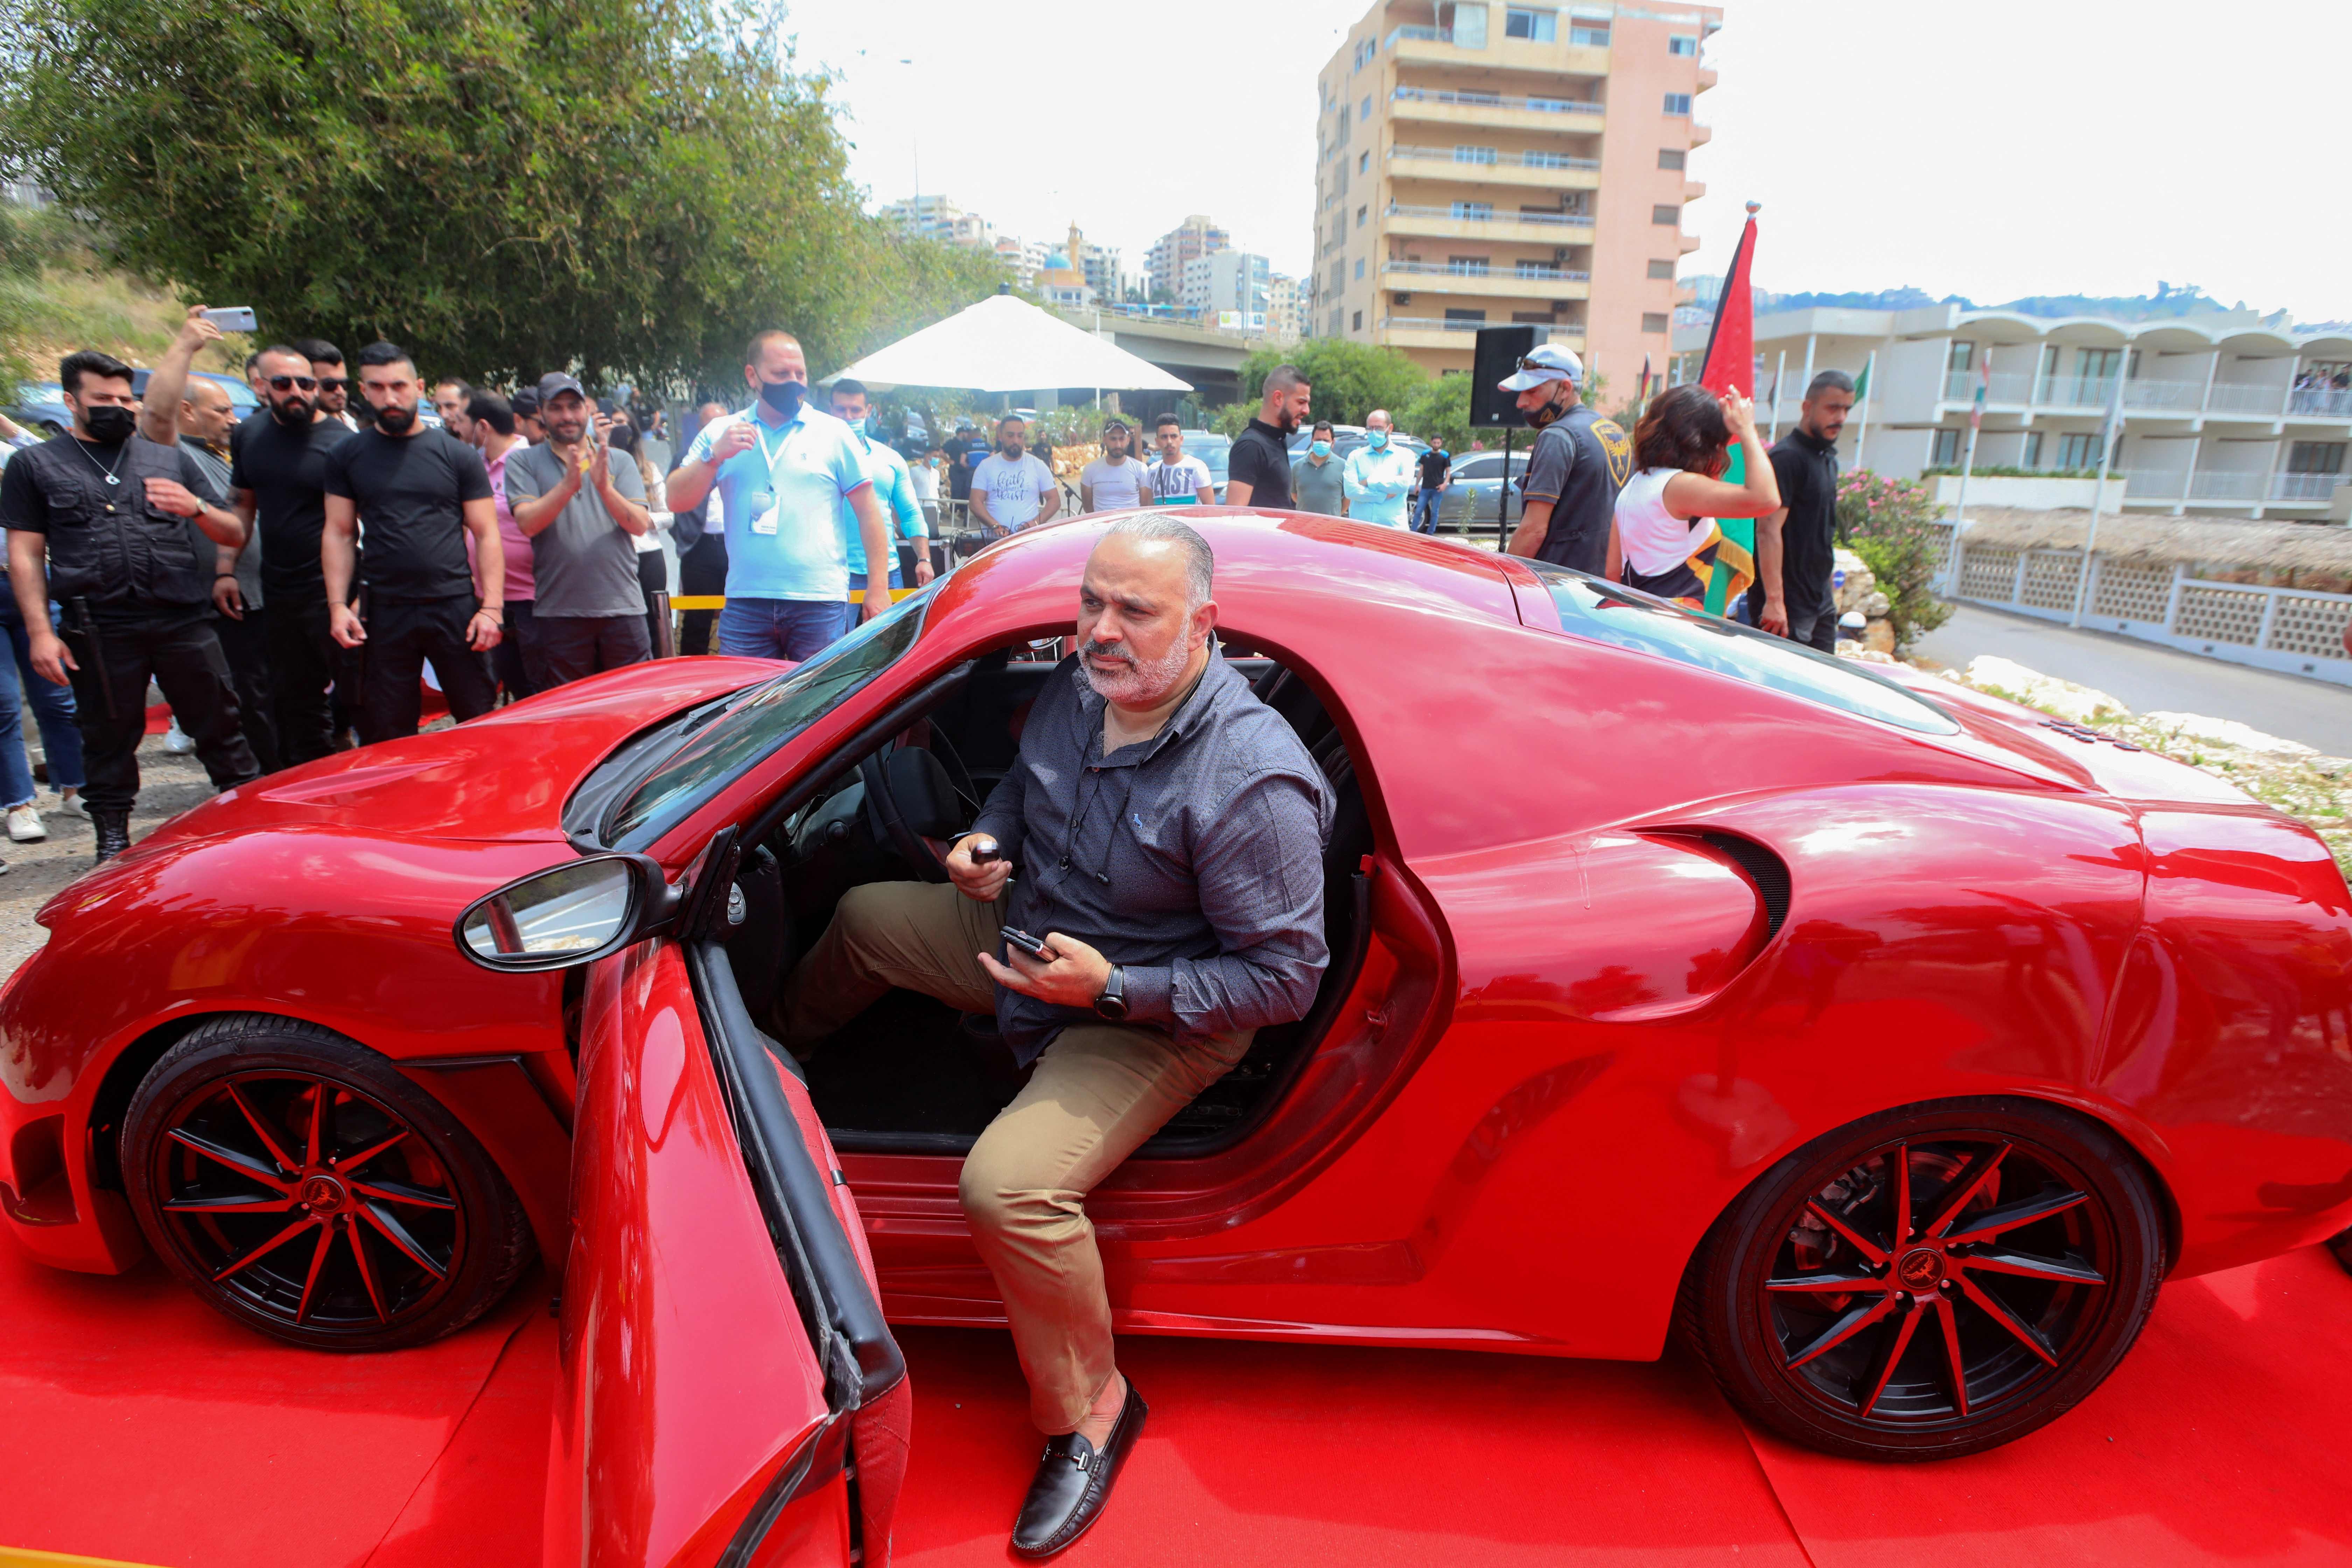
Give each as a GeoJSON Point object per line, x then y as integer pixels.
{"type": "Point", "coordinates": [1901, 1341]}
{"type": "Point", "coordinates": [311, 1280]}
{"type": "Point", "coordinates": [2001, 1260]}
{"type": "Point", "coordinates": [396, 1233]}
{"type": "Point", "coordinates": [2024, 1332]}
{"type": "Point", "coordinates": [322, 1092]}
{"type": "Point", "coordinates": [367, 1274]}
{"type": "Point", "coordinates": [1869, 1249]}
{"type": "Point", "coordinates": [1901, 1229]}
{"type": "Point", "coordinates": [1949, 1322]}
{"type": "Point", "coordinates": [1828, 1284]}
{"type": "Point", "coordinates": [272, 1245]}
{"type": "Point", "coordinates": [229, 1205]}
{"type": "Point", "coordinates": [1857, 1317]}
{"type": "Point", "coordinates": [285, 1165]}
{"type": "Point", "coordinates": [354, 1161]}
{"type": "Point", "coordinates": [1980, 1172]}
{"type": "Point", "coordinates": [244, 1164]}
{"type": "Point", "coordinates": [402, 1192]}
{"type": "Point", "coordinates": [2009, 1217]}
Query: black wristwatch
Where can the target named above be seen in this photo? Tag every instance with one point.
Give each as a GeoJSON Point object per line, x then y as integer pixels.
{"type": "Point", "coordinates": [1112, 1003]}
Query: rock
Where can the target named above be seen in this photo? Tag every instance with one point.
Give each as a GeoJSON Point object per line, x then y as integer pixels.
{"type": "Point", "coordinates": [1853, 583]}
{"type": "Point", "coordinates": [2228, 733]}
{"type": "Point", "coordinates": [1879, 636]}
{"type": "Point", "coordinates": [2006, 677]}
{"type": "Point", "coordinates": [1875, 606]}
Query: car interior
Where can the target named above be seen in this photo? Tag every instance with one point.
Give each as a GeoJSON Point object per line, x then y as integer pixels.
{"type": "Point", "coordinates": [911, 1074]}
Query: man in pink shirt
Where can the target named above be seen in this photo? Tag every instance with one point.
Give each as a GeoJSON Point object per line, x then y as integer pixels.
{"type": "Point", "coordinates": [516, 660]}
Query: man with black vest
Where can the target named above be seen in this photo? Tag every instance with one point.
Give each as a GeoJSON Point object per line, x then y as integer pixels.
{"type": "Point", "coordinates": [98, 518]}
{"type": "Point", "coordinates": [1580, 462]}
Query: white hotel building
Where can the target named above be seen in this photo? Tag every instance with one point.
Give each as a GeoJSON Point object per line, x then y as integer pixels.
{"type": "Point", "coordinates": [2213, 421]}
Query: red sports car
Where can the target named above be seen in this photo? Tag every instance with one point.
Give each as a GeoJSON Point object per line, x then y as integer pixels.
{"type": "Point", "coordinates": [1895, 1043]}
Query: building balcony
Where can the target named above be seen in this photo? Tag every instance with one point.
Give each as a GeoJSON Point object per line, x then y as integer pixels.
{"type": "Point", "coordinates": [1501, 112]}
{"type": "Point", "coordinates": [1470, 220]}
{"type": "Point", "coordinates": [2203, 485]}
{"type": "Point", "coordinates": [1436, 47]}
{"type": "Point", "coordinates": [1459, 337]}
{"type": "Point", "coordinates": [2310, 488]}
{"type": "Point", "coordinates": [2239, 397]}
{"type": "Point", "coordinates": [2147, 398]}
{"type": "Point", "coordinates": [1521, 170]}
{"type": "Point", "coordinates": [2319, 403]}
{"type": "Point", "coordinates": [1498, 283]}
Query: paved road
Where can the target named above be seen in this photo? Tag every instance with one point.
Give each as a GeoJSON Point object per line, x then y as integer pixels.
{"type": "Point", "coordinates": [2144, 677]}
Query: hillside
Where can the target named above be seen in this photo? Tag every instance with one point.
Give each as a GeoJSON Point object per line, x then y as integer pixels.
{"type": "Point", "coordinates": [56, 296]}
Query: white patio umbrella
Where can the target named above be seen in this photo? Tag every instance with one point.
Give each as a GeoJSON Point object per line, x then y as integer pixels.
{"type": "Point", "coordinates": [1005, 344]}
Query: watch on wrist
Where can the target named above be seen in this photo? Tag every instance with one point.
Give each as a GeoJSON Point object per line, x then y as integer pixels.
{"type": "Point", "coordinates": [1112, 1003]}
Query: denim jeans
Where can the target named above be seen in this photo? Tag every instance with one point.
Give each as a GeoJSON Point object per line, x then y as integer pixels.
{"type": "Point", "coordinates": [858, 586]}
{"type": "Point", "coordinates": [53, 711]}
{"type": "Point", "coordinates": [779, 628]}
{"type": "Point", "coordinates": [1425, 511]}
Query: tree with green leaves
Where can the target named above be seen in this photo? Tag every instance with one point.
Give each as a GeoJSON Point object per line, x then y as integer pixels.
{"type": "Point", "coordinates": [1349, 379]}
{"type": "Point", "coordinates": [628, 188]}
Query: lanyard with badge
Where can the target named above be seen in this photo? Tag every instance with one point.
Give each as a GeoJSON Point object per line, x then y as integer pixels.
{"type": "Point", "coordinates": [762, 502]}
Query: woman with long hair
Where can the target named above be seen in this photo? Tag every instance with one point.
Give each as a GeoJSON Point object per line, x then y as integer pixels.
{"type": "Point", "coordinates": [1681, 447]}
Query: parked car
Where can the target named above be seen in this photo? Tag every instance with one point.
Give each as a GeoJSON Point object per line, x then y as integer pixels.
{"type": "Point", "coordinates": [41, 408]}
{"type": "Point", "coordinates": [1214, 450]}
{"type": "Point", "coordinates": [1481, 486]}
{"type": "Point", "coordinates": [239, 394]}
{"type": "Point", "coordinates": [1890, 1043]}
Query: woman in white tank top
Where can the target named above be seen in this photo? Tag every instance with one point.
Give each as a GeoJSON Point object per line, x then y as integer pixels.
{"type": "Point", "coordinates": [1662, 511]}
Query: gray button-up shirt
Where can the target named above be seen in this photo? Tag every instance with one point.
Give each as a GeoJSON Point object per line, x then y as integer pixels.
{"type": "Point", "coordinates": [1194, 859]}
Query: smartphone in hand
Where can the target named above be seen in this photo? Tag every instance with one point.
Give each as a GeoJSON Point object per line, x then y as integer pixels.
{"type": "Point", "coordinates": [232, 319]}
{"type": "Point", "coordinates": [1030, 945]}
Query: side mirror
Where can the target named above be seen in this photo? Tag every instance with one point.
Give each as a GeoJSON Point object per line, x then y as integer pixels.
{"type": "Point", "coordinates": [567, 915]}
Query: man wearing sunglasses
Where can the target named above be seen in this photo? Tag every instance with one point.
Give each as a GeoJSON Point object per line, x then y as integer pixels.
{"type": "Point", "coordinates": [278, 482]}
{"type": "Point", "coordinates": [334, 394]}
{"type": "Point", "coordinates": [1579, 464]}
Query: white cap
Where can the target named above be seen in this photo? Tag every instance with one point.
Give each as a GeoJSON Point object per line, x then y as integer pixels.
{"type": "Point", "coordinates": [1546, 361]}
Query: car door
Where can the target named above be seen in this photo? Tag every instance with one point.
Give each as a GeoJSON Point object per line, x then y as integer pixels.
{"type": "Point", "coordinates": [727, 1392]}
{"type": "Point", "coordinates": [1470, 499]}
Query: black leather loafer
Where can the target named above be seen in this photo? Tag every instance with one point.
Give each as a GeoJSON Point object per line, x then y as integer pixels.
{"type": "Point", "coordinates": [1073, 1481]}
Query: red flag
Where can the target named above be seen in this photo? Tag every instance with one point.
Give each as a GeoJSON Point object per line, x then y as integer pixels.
{"type": "Point", "coordinates": [1730, 364]}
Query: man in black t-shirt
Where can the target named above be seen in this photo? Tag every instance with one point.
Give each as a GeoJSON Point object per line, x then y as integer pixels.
{"type": "Point", "coordinates": [1580, 462]}
{"type": "Point", "coordinates": [1436, 474]}
{"type": "Point", "coordinates": [423, 492]}
{"type": "Point", "coordinates": [1257, 470]}
{"type": "Point", "coordinates": [99, 518]}
{"type": "Point", "coordinates": [1796, 547]}
{"type": "Point", "coordinates": [963, 450]}
{"type": "Point", "coordinates": [279, 483]}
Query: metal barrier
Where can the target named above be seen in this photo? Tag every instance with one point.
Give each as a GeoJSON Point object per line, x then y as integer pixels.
{"type": "Point", "coordinates": [2295, 631]}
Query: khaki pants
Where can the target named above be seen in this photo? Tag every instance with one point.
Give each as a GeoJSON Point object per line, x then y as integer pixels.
{"type": "Point", "coordinates": [1098, 1092]}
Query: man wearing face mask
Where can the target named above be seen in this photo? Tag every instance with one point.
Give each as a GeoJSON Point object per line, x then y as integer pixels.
{"type": "Point", "coordinates": [1379, 473]}
{"type": "Point", "coordinates": [1580, 463]}
{"type": "Point", "coordinates": [1317, 481]}
{"type": "Point", "coordinates": [1012, 491]}
{"type": "Point", "coordinates": [98, 517]}
{"type": "Point", "coordinates": [781, 470]}
{"type": "Point", "coordinates": [893, 485]}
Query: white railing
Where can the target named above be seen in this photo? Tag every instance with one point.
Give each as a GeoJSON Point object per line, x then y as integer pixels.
{"type": "Point", "coordinates": [1432, 324]}
{"type": "Point", "coordinates": [2324, 401]}
{"type": "Point", "coordinates": [1489, 214]}
{"type": "Point", "coordinates": [1489, 273]}
{"type": "Point", "coordinates": [2240, 397]}
{"type": "Point", "coordinates": [1487, 158]}
{"type": "Point", "coordinates": [1960, 386]}
{"type": "Point", "coordinates": [2305, 487]}
{"type": "Point", "coordinates": [2185, 396]}
{"type": "Point", "coordinates": [1418, 36]}
{"type": "Point", "coordinates": [2075, 391]}
{"type": "Point", "coordinates": [2156, 484]}
{"type": "Point", "coordinates": [1498, 101]}
{"type": "Point", "coordinates": [2297, 631]}
{"type": "Point", "coordinates": [2206, 485]}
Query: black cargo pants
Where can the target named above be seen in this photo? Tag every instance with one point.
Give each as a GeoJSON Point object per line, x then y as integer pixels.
{"type": "Point", "coordinates": [178, 649]}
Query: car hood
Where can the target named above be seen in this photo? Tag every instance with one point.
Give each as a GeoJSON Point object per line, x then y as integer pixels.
{"type": "Point", "coordinates": [504, 776]}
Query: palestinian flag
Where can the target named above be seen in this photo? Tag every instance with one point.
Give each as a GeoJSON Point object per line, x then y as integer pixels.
{"type": "Point", "coordinates": [1725, 559]}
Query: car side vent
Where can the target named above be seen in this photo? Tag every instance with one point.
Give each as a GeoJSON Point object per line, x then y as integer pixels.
{"type": "Point", "coordinates": [1766, 870]}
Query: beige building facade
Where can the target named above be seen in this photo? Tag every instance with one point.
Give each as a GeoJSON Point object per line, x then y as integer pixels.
{"type": "Point", "coordinates": [1479, 163]}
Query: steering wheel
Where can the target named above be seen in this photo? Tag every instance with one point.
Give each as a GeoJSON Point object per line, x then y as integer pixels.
{"type": "Point", "coordinates": [912, 767]}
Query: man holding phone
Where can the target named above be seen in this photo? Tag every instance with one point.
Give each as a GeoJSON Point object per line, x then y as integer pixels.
{"type": "Point", "coordinates": [583, 513]}
{"type": "Point", "coordinates": [1169, 828]}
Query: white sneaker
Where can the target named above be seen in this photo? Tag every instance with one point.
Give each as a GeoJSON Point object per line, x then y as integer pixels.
{"type": "Point", "coordinates": [71, 805]}
{"type": "Point", "coordinates": [176, 742]}
{"type": "Point", "coordinates": [25, 825]}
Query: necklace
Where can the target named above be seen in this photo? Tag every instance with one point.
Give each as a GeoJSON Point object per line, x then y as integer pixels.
{"type": "Point", "coordinates": [101, 467]}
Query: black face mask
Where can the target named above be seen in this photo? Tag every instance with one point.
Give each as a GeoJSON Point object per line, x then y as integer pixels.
{"type": "Point", "coordinates": [1549, 412]}
{"type": "Point", "coordinates": [395, 421]}
{"type": "Point", "coordinates": [783, 397]}
{"type": "Point", "coordinates": [294, 413]}
{"type": "Point", "coordinates": [109, 423]}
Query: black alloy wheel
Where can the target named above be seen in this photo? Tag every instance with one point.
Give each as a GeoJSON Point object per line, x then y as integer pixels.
{"type": "Point", "coordinates": [1930, 1282]}
{"type": "Point", "coordinates": [307, 1189]}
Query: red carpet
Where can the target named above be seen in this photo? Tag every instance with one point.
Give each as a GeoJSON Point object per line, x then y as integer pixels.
{"type": "Point", "coordinates": [142, 1428]}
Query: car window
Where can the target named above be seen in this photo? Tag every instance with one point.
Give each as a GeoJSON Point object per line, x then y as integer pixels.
{"type": "Point", "coordinates": [761, 720]}
{"type": "Point", "coordinates": [1589, 607]}
{"type": "Point", "coordinates": [1477, 467]}
{"type": "Point", "coordinates": [1216, 452]}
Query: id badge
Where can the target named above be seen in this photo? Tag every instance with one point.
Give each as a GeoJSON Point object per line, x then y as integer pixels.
{"type": "Point", "coordinates": [762, 506]}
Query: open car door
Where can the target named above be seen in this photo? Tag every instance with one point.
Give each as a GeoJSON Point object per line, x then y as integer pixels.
{"type": "Point", "coordinates": [728, 1393]}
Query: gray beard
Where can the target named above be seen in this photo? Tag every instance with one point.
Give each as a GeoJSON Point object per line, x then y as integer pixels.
{"type": "Point", "coordinates": [1137, 684]}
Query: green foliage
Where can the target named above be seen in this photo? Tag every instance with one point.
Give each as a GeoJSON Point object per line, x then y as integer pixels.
{"type": "Point", "coordinates": [1438, 411]}
{"type": "Point", "coordinates": [1349, 379]}
{"type": "Point", "coordinates": [629, 188]}
{"type": "Point", "coordinates": [2008, 471]}
{"type": "Point", "coordinates": [1231, 418]}
{"type": "Point", "coordinates": [1890, 523]}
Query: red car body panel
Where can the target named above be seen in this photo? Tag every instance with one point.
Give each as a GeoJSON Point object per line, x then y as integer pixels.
{"type": "Point", "coordinates": [1575, 1038]}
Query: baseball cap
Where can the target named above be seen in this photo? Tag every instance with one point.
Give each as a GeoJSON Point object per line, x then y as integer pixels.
{"type": "Point", "coordinates": [1546, 361]}
{"type": "Point", "coordinates": [555, 383]}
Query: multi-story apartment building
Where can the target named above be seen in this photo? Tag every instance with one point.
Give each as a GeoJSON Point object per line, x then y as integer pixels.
{"type": "Point", "coordinates": [938, 217]}
{"type": "Point", "coordinates": [1482, 162]}
{"type": "Point", "coordinates": [2220, 413]}
{"type": "Point", "coordinates": [1195, 237]}
{"type": "Point", "coordinates": [1227, 282]}
{"type": "Point", "coordinates": [1285, 322]}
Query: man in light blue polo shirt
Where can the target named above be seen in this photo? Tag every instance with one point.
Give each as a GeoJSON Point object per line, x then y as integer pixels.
{"type": "Point", "coordinates": [1377, 475]}
{"type": "Point", "coordinates": [892, 483]}
{"type": "Point", "coordinates": [782, 470]}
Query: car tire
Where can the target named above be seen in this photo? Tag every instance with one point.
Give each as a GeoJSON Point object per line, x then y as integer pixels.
{"type": "Point", "coordinates": [304, 1187]}
{"type": "Point", "coordinates": [2036, 1311]}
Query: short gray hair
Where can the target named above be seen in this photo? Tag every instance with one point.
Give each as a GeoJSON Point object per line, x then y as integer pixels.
{"type": "Point", "coordinates": [1199, 564]}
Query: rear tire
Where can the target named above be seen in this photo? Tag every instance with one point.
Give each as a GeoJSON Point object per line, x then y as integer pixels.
{"type": "Point", "coordinates": [305, 1188]}
{"type": "Point", "coordinates": [1986, 1316]}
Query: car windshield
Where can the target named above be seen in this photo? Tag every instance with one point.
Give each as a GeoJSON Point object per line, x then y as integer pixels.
{"type": "Point", "coordinates": [761, 720]}
{"type": "Point", "coordinates": [1589, 607]}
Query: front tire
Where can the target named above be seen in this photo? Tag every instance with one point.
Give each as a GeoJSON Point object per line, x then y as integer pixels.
{"type": "Point", "coordinates": [1931, 1281]}
{"type": "Point", "coordinates": [305, 1188]}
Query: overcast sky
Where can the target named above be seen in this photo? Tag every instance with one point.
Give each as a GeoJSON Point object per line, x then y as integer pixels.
{"type": "Point", "coordinates": [1992, 148]}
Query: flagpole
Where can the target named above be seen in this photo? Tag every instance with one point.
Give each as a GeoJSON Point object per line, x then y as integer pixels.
{"type": "Point", "coordinates": [1862, 442]}
{"type": "Point", "coordinates": [1968, 463]}
{"type": "Point", "coordinates": [1780, 373]}
{"type": "Point", "coordinates": [2098, 498]}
